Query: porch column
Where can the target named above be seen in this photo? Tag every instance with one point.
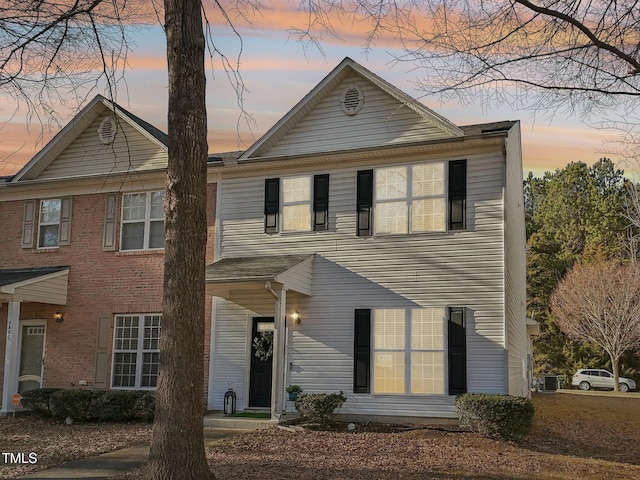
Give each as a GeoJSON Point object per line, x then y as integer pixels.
{"type": "Point", "coordinates": [277, 381]}
{"type": "Point", "coordinates": [10, 380]}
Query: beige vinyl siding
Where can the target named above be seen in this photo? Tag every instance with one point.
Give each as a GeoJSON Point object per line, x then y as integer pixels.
{"type": "Point", "coordinates": [515, 274]}
{"type": "Point", "coordinates": [463, 268]}
{"type": "Point", "coordinates": [231, 332]}
{"type": "Point", "coordinates": [381, 121]}
{"type": "Point", "coordinates": [50, 290]}
{"type": "Point", "coordinates": [87, 155]}
{"type": "Point", "coordinates": [298, 278]}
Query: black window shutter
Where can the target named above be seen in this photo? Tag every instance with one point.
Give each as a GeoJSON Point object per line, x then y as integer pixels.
{"type": "Point", "coordinates": [271, 204]}
{"type": "Point", "coordinates": [457, 351]}
{"type": "Point", "coordinates": [364, 202]}
{"type": "Point", "coordinates": [457, 194]}
{"type": "Point", "coordinates": [362, 351]}
{"type": "Point", "coordinates": [321, 202]}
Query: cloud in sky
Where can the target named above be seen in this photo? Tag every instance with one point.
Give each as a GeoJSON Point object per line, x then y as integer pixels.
{"type": "Point", "coordinates": [546, 148]}
{"type": "Point", "coordinates": [277, 72]}
{"type": "Point", "coordinates": [19, 142]}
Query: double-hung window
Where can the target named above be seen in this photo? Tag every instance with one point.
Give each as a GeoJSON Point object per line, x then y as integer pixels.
{"type": "Point", "coordinates": [411, 198]}
{"type": "Point", "coordinates": [296, 204]}
{"type": "Point", "coordinates": [142, 221]}
{"type": "Point", "coordinates": [427, 350]}
{"type": "Point", "coordinates": [136, 350]}
{"type": "Point", "coordinates": [406, 351]}
{"type": "Point", "coordinates": [402, 351]}
{"type": "Point", "coordinates": [389, 343]}
{"type": "Point", "coordinates": [49, 225]}
{"type": "Point", "coordinates": [54, 222]}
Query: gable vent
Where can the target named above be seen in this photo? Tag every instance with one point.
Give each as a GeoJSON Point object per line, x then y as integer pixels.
{"type": "Point", "coordinates": [107, 130]}
{"type": "Point", "coordinates": [352, 100]}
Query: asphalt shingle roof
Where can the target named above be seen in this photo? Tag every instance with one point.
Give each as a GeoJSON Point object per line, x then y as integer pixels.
{"type": "Point", "coordinates": [16, 275]}
{"type": "Point", "coordinates": [252, 267]}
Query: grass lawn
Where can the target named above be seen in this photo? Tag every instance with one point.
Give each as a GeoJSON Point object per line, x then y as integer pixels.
{"type": "Point", "coordinates": [599, 425]}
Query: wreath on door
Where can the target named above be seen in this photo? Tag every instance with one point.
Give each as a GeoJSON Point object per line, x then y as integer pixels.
{"type": "Point", "coordinates": [263, 345]}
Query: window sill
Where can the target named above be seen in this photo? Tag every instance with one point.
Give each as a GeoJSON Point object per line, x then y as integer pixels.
{"type": "Point", "coordinates": [408, 395]}
{"type": "Point", "coordinates": [46, 249]}
{"type": "Point", "coordinates": [299, 233]}
{"type": "Point", "coordinates": [130, 253]}
{"type": "Point", "coordinates": [145, 389]}
{"type": "Point", "coordinates": [415, 234]}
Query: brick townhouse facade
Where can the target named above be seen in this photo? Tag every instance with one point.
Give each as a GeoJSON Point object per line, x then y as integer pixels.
{"type": "Point", "coordinates": [82, 236]}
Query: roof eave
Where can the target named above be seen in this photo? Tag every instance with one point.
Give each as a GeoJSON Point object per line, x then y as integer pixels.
{"type": "Point", "coordinates": [381, 148]}
{"type": "Point", "coordinates": [240, 279]}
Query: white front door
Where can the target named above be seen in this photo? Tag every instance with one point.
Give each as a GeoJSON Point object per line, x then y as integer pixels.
{"type": "Point", "coordinates": [31, 355]}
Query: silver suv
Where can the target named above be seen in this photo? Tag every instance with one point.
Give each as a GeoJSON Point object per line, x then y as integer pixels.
{"type": "Point", "coordinates": [587, 379]}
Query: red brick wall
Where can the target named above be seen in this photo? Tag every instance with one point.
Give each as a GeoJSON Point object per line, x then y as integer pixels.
{"type": "Point", "coordinates": [100, 284]}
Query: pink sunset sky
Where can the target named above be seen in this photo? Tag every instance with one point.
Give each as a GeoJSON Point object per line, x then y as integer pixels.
{"type": "Point", "coordinates": [277, 72]}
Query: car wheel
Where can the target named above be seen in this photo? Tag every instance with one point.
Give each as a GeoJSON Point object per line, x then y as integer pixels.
{"type": "Point", "coordinates": [624, 387]}
{"type": "Point", "coordinates": [585, 386]}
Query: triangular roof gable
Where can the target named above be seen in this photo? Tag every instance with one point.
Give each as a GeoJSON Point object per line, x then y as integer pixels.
{"type": "Point", "coordinates": [332, 81]}
{"type": "Point", "coordinates": [74, 129]}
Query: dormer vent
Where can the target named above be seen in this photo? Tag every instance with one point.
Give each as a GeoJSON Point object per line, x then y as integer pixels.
{"type": "Point", "coordinates": [352, 100]}
{"type": "Point", "coordinates": [107, 130]}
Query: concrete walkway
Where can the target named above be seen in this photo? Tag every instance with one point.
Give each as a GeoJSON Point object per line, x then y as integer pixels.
{"type": "Point", "coordinates": [121, 461]}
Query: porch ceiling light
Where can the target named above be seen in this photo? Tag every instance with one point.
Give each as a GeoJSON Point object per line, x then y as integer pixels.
{"type": "Point", "coordinates": [295, 317]}
{"type": "Point", "coordinates": [58, 317]}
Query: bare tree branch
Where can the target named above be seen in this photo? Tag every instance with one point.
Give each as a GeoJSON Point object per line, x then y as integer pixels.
{"type": "Point", "coordinates": [54, 53]}
{"type": "Point", "coordinates": [583, 28]}
{"type": "Point", "coordinates": [600, 303]}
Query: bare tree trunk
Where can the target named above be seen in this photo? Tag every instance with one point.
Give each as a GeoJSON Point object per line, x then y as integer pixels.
{"type": "Point", "coordinates": [177, 445]}
{"type": "Point", "coordinates": [616, 376]}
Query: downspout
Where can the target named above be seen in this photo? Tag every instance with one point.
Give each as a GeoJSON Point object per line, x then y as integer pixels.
{"type": "Point", "coordinates": [267, 286]}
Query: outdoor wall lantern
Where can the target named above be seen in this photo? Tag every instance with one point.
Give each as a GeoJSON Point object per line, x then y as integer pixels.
{"type": "Point", "coordinates": [295, 317]}
{"type": "Point", "coordinates": [58, 317]}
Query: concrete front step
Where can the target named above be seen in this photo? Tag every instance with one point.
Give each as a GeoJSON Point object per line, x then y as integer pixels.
{"type": "Point", "coordinates": [242, 423]}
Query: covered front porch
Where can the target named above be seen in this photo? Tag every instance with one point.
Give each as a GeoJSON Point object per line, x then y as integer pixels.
{"type": "Point", "coordinates": [24, 344]}
{"type": "Point", "coordinates": [267, 292]}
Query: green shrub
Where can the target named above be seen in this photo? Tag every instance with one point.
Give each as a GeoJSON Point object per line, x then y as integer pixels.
{"type": "Point", "coordinates": [103, 405]}
{"type": "Point", "coordinates": [319, 407]}
{"type": "Point", "coordinates": [497, 416]}
{"type": "Point", "coordinates": [38, 400]}
{"type": "Point", "coordinates": [144, 406]}
{"type": "Point", "coordinates": [123, 406]}
{"type": "Point", "coordinates": [78, 404]}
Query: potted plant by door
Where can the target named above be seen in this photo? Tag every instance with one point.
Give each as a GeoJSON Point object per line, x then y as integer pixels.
{"type": "Point", "coordinates": [293, 391]}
